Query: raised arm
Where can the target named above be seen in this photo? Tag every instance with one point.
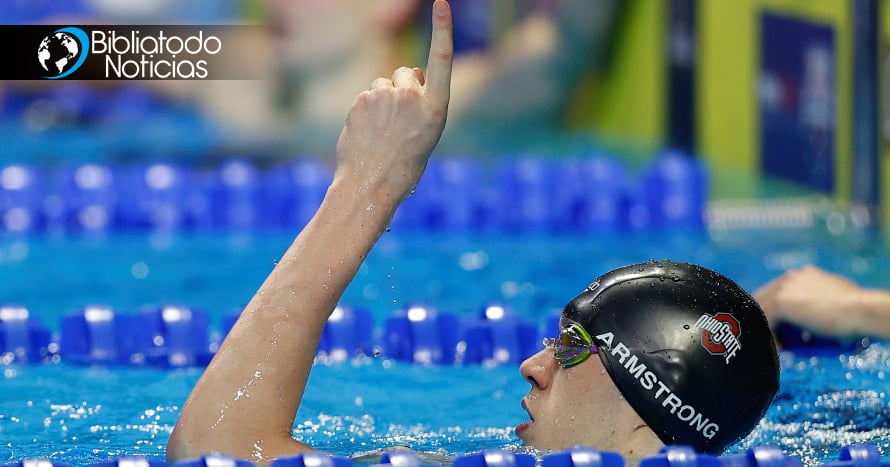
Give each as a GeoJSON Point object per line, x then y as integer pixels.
{"type": "Point", "coordinates": [826, 304]}
{"type": "Point", "coordinates": [246, 401]}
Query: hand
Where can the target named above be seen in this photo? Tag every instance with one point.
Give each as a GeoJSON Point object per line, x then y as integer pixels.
{"type": "Point", "coordinates": [824, 303]}
{"type": "Point", "coordinates": [393, 127]}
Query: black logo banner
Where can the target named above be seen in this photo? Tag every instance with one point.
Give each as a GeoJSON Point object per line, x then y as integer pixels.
{"type": "Point", "coordinates": [114, 52]}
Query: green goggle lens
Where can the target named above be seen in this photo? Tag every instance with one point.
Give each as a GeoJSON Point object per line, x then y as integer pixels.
{"type": "Point", "coordinates": [573, 345]}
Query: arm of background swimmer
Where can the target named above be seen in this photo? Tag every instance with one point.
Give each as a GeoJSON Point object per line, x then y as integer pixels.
{"type": "Point", "coordinates": [246, 401]}
{"type": "Point", "coordinates": [826, 303]}
{"type": "Point", "coordinates": [542, 59]}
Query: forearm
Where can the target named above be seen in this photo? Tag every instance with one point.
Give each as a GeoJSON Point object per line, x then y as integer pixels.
{"type": "Point", "coordinates": [870, 313]}
{"type": "Point", "coordinates": [826, 303]}
{"type": "Point", "coordinates": [246, 401]}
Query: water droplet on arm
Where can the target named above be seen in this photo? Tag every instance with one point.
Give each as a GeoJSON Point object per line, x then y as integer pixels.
{"type": "Point", "coordinates": [392, 287]}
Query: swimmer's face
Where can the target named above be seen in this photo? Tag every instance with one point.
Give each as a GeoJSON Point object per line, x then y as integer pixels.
{"type": "Point", "coordinates": [568, 407]}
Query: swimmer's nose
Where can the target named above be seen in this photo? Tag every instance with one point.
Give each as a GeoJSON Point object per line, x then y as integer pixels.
{"type": "Point", "coordinates": [538, 369]}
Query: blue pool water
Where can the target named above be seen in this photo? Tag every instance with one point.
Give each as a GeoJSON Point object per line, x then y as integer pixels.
{"type": "Point", "coordinates": [80, 414]}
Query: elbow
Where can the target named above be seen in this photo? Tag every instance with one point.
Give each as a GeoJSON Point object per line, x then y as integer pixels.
{"type": "Point", "coordinates": [184, 443]}
{"type": "Point", "coordinates": [177, 447]}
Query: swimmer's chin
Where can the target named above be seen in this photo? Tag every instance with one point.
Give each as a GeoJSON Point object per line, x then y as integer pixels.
{"type": "Point", "coordinates": [521, 429]}
{"type": "Point", "coordinates": [525, 432]}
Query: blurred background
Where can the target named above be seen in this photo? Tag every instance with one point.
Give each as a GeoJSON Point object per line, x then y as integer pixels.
{"type": "Point", "coordinates": [750, 136]}
{"type": "Point", "coordinates": [778, 100]}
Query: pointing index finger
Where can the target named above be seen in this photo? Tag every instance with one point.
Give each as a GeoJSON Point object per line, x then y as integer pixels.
{"type": "Point", "coordinates": [438, 73]}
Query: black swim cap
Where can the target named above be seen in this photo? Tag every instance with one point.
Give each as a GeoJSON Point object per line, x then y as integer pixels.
{"type": "Point", "coordinates": [687, 347]}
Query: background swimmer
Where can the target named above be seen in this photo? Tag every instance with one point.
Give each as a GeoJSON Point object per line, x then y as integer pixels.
{"type": "Point", "coordinates": [826, 304]}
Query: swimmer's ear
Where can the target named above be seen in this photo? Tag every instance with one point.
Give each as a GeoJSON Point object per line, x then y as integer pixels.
{"type": "Point", "coordinates": [396, 15]}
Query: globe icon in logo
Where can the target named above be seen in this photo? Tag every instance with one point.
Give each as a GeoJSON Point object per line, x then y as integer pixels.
{"type": "Point", "coordinates": [57, 52]}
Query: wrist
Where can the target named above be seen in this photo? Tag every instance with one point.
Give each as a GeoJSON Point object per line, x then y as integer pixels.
{"type": "Point", "coordinates": [875, 313]}
{"type": "Point", "coordinates": [367, 191]}
{"type": "Point", "coordinates": [372, 207]}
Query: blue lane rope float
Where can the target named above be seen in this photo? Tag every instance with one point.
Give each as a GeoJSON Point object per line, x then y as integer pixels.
{"type": "Point", "coordinates": [525, 194]}
{"type": "Point", "coordinates": [498, 336]}
{"type": "Point", "coordinates": [760, 456]}
{"type": "Point", "coordinates": [859, 455]}
{"type": "Point", "coordinates": [131, 461]}
{"type": "Point", "coordinates": [495, 458]}
{"type": "Point", "coordinates": [214, 459]}
{"type": "Point", "coordinates": [421, 334]}
{"type": "Point", "coordinates": [23, 338]}
{"type": "Point", "coordinates": [318, 459]}
{"type": "Point", "coordinates": [349, 332]}
{"type": "Point", "coordinates": [165, 337]}
{"type": "Point", "coordinates": [175, 336]}
{"type": "Point", "coordinates": [854, 455]}
{"type": "Point", "coordinates": [401, 458]}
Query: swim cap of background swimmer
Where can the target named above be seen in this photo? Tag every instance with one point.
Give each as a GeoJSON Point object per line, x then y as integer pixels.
{"type": "Point", "coordinates": [687, 347]}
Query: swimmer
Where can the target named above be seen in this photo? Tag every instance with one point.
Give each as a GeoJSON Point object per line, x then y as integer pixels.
{"type": "Point", "coordinates": [826, 304]}
{"type": "Point", "coordinates": [683, 355]}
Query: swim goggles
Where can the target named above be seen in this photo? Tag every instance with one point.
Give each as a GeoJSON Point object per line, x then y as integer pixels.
{"type": "Point", "coordinates": [573, 345]}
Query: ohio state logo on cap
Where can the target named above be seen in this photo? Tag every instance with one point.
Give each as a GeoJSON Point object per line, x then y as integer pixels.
{"type": "Point", "coordinates": [720, 334]}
